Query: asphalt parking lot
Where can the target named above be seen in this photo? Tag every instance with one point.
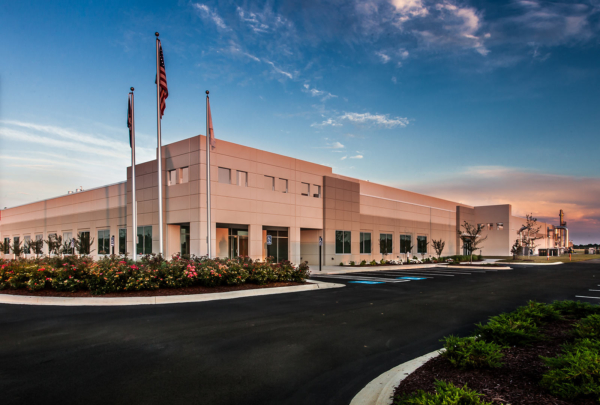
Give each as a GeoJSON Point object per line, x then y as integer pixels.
{"type": "Point", "coordinates": [317, 347]}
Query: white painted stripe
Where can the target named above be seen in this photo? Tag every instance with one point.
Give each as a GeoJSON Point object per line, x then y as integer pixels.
{"type": "Point", "coordinates": [594, 290]}
{"type": "Point", "coordinates": [583, 296]}
{"type": "Point", "coordinates": [428, 271]}
{"type": "Point", "coordinates": [386, 280]}
{"type": "Point", "coordinates": [418, 272]}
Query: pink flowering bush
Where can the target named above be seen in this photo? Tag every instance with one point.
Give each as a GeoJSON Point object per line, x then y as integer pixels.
{"type": "Point", "coordinates": [117, 273]}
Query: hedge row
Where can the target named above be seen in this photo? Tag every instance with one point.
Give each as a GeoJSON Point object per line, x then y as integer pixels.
{"type": "Point", "coordinates": [117, 273]}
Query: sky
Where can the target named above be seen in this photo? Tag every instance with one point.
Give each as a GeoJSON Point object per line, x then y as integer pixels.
{"type": "Point", "coordinates": [480, 102]}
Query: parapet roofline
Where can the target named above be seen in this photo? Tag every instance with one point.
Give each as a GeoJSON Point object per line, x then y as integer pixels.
{"type": "Point", "coordinates": [64, 195]}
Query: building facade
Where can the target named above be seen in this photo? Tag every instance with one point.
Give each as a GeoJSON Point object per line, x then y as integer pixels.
{"type": "Point", "coordinates": [263, 204]}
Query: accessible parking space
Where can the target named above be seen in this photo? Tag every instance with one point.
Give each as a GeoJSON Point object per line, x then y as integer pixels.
{"type": "Point", "coordinates": [401, 275]}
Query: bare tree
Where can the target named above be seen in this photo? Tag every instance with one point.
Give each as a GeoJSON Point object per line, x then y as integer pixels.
{"type": "Point", "coordinates": [83, 243]}
{"type": "Point", "coordinates": [36, 246]}
{"type": "Point", "coordinates": [471, 238]}
{"type": "Point", "coordinates": [531, 232]}
{"type": "Point", "coordinates": [438, 246]}
{"type": "Point", "coordinates": [5, 247]}
{"type": "Point", "coordinates": [17, 248]}
{"type": "Point", "coordinates": [407, 246]}
{"type": "Point", "coordinates": [54, 243]}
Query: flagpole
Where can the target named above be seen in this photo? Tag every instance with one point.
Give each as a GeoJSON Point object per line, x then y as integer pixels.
{"type": "Point", "coordinates": [133, 199]}
{"type": "Point", "coordinates": [159, 157]}
{"type": "Point", "coordinates": [208, 220]}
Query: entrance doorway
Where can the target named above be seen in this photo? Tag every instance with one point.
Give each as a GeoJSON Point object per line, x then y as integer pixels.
{"type": "Point", "coordinates": [184, 239]}
{"type": "Point", "coordinates": [238, 243]}
{"type": "Point", "coordinates": [278, 249]}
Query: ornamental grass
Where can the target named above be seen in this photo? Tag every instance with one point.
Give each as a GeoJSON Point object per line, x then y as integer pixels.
{"type": "Point", "coordinates": [118, 273]}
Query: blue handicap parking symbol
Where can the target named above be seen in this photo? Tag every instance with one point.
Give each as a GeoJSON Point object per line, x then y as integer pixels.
{"type": "Point", "coordinates": [367, 282]}
{"type": "Point", "coordinates": [412, 278]}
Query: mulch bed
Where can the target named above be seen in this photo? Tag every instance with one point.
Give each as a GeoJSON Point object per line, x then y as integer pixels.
{"type": "Point", "coordinates": [151, 293]}
{"type": "Point", "coordinates": [516, 382]}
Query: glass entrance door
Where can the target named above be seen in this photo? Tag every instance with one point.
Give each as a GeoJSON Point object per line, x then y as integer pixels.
{"type": "Point", "coordinates": [238, 243]}
{"type": "Point", "coordinates": [278, 249]}
{"type": "Point", "coordinates": [184, 239]}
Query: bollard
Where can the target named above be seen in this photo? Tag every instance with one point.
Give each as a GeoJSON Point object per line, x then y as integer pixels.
{"type": "Point", "coordinates": [569, 256]}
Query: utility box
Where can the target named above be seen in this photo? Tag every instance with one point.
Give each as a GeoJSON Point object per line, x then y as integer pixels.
{"type": "Point", "coordinates": [590, 251]}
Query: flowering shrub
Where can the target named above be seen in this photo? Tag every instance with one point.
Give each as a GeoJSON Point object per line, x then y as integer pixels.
{"type": "Point", "coordinates": [118, 273]}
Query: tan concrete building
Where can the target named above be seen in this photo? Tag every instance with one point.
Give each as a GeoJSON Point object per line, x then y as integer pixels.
{"type": "Point", "coordinates": [259, 197]}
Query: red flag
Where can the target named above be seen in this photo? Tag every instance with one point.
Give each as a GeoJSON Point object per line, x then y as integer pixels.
{"type": "Point", "coordinates": [211, 131]}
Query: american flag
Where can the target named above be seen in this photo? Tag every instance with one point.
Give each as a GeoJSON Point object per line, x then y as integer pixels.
{"type": "Point", "coordinates": [162, 75]}
{"type": "Point", "coordinates": [129, 119]}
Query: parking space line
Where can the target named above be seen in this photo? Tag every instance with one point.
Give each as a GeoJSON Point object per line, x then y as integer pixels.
{"type": "Point", "coordinates": [400, 272]}
{"type": "Point", "coordinates": [413, 274]}
{"type": "Point", "coordinates": [594, 290]}
{"type": "Point", "coordinates": [387, 280]}
{"type": "Point", "coordinates": [433, 271]}
{"type": "Point", "coordinates": [583, 296]}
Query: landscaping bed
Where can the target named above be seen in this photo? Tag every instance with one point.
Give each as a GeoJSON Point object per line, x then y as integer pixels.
{"type": "Point", "coordinates": [152, 293]}
{"type": "Point", "coordinates": [538, 354]}
{"type": "Point", "coordinates": [151, 276]}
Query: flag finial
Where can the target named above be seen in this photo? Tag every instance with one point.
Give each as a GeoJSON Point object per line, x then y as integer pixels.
{"type": "Point", "coordinates": [131, 88]}
{"type": "Point", "coordinates": [157, 34]}
{"type": "Point", "coordinates": [207, 92]}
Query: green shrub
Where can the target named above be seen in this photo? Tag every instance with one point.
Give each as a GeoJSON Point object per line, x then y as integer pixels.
{"type": "Point", "coordinates": [588, 327]}
{"type": "Point", "coordinates": [574, 373]}
{"type": "Point", "coordinates": [508, 329]}
{"type": "Point", "coordinates": [373, 263]}
{"type": "Point", "coordinates": [576, 309]}
{"type": "Point", "coordinates": [538, 312]}
{"type": "Point", "coordinates": [363, 263]}
{"type": "Point", "coordinates": [341, 263]}
{"type": "Point", "coordinates": [352, 263]}
{"type": "Point", "coordinates": [382, 261]}
{"type": "Point", "coordinates": [446, 394]}
{"type": "Point", "coordinates": [588, 344]}
{"type": "Point", "coordinates": [471, 352]}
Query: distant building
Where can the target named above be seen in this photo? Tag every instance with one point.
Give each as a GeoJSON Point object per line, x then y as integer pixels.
{"type": "Point", "coordinates": [259, 196]}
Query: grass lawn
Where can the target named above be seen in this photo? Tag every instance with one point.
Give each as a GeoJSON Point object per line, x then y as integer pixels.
{"type": "Point", "coordinates": [577, 257]}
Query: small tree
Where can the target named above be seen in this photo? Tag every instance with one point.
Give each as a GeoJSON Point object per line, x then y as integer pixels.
{"type": "Point", "coordinates": [438, 246]}
{"type": "Point", "coordinates": [515, 248]}
{"type": "Point", "coordinates": [383, 247]}
{"type": "Point", "coordinates": [471, 238]}
{"type": "Point", "coordinates": [17, 248]}
{"type": "Point", "coordinates": [54, 244]}
{"type": "Point", "coordinates": [36, 246]}
{"type": "Point", "coordinates": [83, 243]}
{"type": "Point", "coordinates": [407, 247]}
{"type": "Point", "coordinates": [422, 247]}
{"type": "Point", "coordinates": [5, 247]}
{"type": "Point", "coordinates": [531, 232]}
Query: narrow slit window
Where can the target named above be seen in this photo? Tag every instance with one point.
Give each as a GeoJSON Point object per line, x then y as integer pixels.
{"type": "Point", "coordinates": [305, 189]}
{"type": "Point", "coordinates": [270, 183]}
{"type": "Point", "coordinates": [317, 191]}
{"type": "Point", "coordinates": [242, 179]}
{"type": "Point", "coordinates": [224, 175]}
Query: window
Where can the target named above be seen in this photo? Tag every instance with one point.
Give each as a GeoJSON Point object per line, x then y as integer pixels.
{"type": "Point", "coordinates": [269, 183]}
{"type": "Point", "coordinates": [39, 244]}
{"type": "Point", "coordinates": [481, 226]}
{"type": "Point", "coordinates": [317, 192]}
{"type": "Point", "coordinates": [16, 244]}
{"type": "Point", "coordinates": [500, 226]}
{"type": "Point", "coordinates": [67, 241]}
{"type": "Point", "coordinates": [305, 189]}
{"type": "Point", "coordinates": [406, 243]}
{"type": "Point", "coordinates": [365, 242]}
{"type": "Point", "coordinates": [385, 243]}
{"type": "Point", "coordinates": [122, 241]}
{"type": "Point", "coordinates": [172, 177]}
{"type": "Point", "coordinates": [84, 249]}
{"type": "Point", "coordinates": [422, 244]}
{"type": "Point", "coordinates": [283, 185]}
{"type": "Point", "coordinates": [26, 244]}
{"type": "Point", "coordinates": [104, 242]}
{"type": "Point", "coordinates": [242, 179]}
{"type": "Point", "coordinates": [224, 175]}
{"type": "Point", "coordinates": [184, 175]}
{"type": "Point", "coordinates": [342, 242]}
{"type": "Point", "coordinates": [144, 240]}
{"type": "Point", "coordinates": [6, 246]}
{"type": "Point", "coordinates": [490, 227]}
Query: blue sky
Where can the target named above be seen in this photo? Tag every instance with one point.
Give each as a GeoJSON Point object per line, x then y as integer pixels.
{"type": "Point", "coordinates": [482, 102]}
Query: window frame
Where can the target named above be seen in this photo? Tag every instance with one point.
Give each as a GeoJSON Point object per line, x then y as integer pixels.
{"type": "Point", "coordinates": [26, 248]}
{"type": "Point", "coordinates": [89, 246]}
{"type": "Point", "coordinates": [499, 226]}
{"type": "Point", "coordinates": [307, 189]}
{"type": "Point", "coordinates": [346, 240]}
{"type": "Point", "coordinates": [220, 170]}
{"type": "Point", "coordinates": [123, 246]}
{"type": "Point", "coordinates": [170, 175]}
{"type": "Point", "coordinates": [363, 242]}
{"type": "Point", "coordinates": [103, 241]}
{"type": "Point", "coordinates": [238, 172]}
{"type": "Point", "coordinates": [420, 238]}
{"type": "Point", "coordinates": [403, 241]}
{"type": "Point", "coordinates": [272, 181]}
{"type": "Point", "coordinates": [284, 184]}
{"type": "Point", "coordinates": [389, 241]}
{"type": "Point", "coordinates": [318, 194]}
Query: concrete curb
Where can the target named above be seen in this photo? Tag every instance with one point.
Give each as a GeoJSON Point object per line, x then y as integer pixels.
{"type": "Point", "coordinates": [159, 300]}
{"type": "Point", "coordinates": [480, 267]}
{"type": "Point", "coordinates": [380, 390]}
{"type": "Point", "coordinates": [539, 264]}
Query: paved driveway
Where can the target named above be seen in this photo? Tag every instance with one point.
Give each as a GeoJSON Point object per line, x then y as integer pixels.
{"type": "Point", "coordinates": [316, 347]}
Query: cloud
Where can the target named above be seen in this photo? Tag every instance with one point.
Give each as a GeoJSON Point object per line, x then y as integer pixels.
{"type": "Point", "coordinates": [379, 120]}
{"type": "Point", "coordinates": [408, 9]}
{"type": "Point", "coordinates": [276, 69]}
{"type": "Point", "coordinates": [344, 158]}
{"type": "Point", "coordinates": [356, 157]}
{"type": "Point", "coordinates": [384, 58]}
{"type": "Point", "coordinates": [318, 93]}
{"type": "Point", "coordinates": [209, 14]}
{"type": "Point", "coordinates": [336, 145]}
{"type": "Point", "coordinates": [394, 80]}
{"type": "Point", "coordinates": [542, 194]}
